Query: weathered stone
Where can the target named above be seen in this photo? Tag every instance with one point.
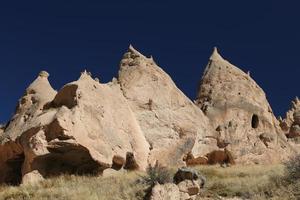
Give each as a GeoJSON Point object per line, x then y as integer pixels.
{"type": "Point", "coordinates": [171, 123]}
{"type": "Point", "coordinates": [78, 130]}
{"type": "Point", "coordinates": [118, 162]}
{"type": "Point", "coordinates": [192, 161]}
{"type": "Point", "coordinates": [189, 174]}
{"type": "Point", "coordinates": [111, 172]}
{"type": "Point", "coordinates": [220, 157]}
{"type": "Point", "coordinates": [167, 191]}
{"type": "Point", "coordinates": [140, 118]}
{"type": "Point", "coordinates": [190, 187]}
{"type": "Point", "coordinates": [287, 122]}
{"type": "Point", "coordinates": [33, 177]}
{"type": "Point", "coordinates": [239, 113]}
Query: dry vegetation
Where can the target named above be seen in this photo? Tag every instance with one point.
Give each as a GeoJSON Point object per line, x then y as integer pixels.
{"type": "Point", "coordinates": [247, 182]}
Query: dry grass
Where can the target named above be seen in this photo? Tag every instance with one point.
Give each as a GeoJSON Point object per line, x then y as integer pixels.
{"type": "Point", "coordinates": [78, 188]}
{"type": "Point", "coordinates": [247, 182]}
{"type": "Point", "coordinates": [242, 181]}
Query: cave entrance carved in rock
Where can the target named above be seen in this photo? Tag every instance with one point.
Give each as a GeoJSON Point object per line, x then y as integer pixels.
{"type": "Point", "coordinates": [254, 121]}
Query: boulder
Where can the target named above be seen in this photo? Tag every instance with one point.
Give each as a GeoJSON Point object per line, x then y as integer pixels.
{"type": "Point", "coordinates": [184, 173]}
{"type": "Point", "coordinates": [32, 177]}
{"type": "Point", "coordinates": [220, 157]}
{"type": "Point", "coordinates": [167, 191]}
{"type": "Point", "coordinates": [192, 161]}
{"type": "Point", "coordinates": [189, 187]}
{"type": "Point", "coordinates": [112, 172]}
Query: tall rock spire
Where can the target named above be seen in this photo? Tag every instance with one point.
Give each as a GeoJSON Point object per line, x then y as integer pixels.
{"type": "Point", "coordinates": [38, 94]}
{"type": "Point", "coordinates": [236, 106]}
{"type": "Point", "coordinates": [170, 121]}
{"type": "Point", "coordinates": [215, 55]}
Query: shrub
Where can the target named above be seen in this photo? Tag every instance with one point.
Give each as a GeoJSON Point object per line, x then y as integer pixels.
{"type": "Point", "coordinates": [293, 170]}
{"type": "Point", "coordinates": [157, 174]}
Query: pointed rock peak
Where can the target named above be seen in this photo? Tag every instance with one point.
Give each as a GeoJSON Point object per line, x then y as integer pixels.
{"type": "Point", "coordinates": [41, 88]}
{"type": "Point", "coordinates": [40, 81]}
{"type": "Point", "coordinates": [135, 52]}
{"type": "Point", "coordinates": [85, 74]}
{"type": "Point", "coordinates": [296, 103]}
{"type": "Point", "coordinates": [44, 74]}
{"type": "Point", "coordinates": [215, 55]}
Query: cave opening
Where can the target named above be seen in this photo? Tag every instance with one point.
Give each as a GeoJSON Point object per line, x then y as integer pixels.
{"type": "Point", "coordinates": [70, 160]}
{"type": "Point", "coordinates": [254, 121]}
{"type": "Point", "coordinates": [13, 174]}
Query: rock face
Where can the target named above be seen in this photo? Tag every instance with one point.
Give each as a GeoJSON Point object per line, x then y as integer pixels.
{"type": "Point", "coordinates": [78, 130]}
{"type": "Point", "coordinates": [291, 124]}
{"type": "Point", "coordinates": [139, 119]}
{"type": "Point", "coordinates": [172, 124]}
{"type": "Point", "coordinates": [239, 113]}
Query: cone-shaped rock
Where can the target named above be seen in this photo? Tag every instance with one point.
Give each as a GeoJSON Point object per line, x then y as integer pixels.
{"type": "Point", "coordinates": [28, 116]}
{"type": "Point", "coordinates": [172, 124]}
{"type": "Point", "coordinates": [98, 117]}
{"type": "Point", "coordinates": [239, 112]}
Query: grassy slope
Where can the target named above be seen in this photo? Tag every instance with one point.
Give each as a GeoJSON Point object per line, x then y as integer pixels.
{"type": "Point", "coordinates": [244, 181]}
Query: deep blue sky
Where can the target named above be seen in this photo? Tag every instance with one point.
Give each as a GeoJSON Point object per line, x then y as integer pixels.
{"type": "Point", "coordinates": [64, 37]}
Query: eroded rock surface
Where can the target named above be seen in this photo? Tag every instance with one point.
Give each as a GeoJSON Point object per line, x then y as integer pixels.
{"type": "Point", "coordinates": [291, 124]}
{"type": "Point", "coordinates": [78, 130]}
{"type": "Point", "coordinates": [171, 123]}
{"type": "Point", "coordinates": [240, 113]}
{"type": "Point", "coordinates": [139, 119]}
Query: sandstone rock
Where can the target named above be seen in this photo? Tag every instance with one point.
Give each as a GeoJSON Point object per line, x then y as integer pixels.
{"type": "Point", "coordinates": [78, 130]}
{"type": "Point", "coordinates": [131, 163]}
{"type": "Point", "coordinates": [33, 177]}
{"type": "Point", "coordinates": [171, 123]}
{"type": "Point", "coordinates": [118, 162]}
{"type": "Point", "coordinates": [287, 122]}
{"type": "Point", "coordinates": [111, 172]}
{"type": "Point", "coordinates": [140, 118]}
{"type": "Point", "coordinates": [220, 157]}
{"type": "Point", "coordinates": [239, 113]}
{"type": "Point", "coordinates": [189, 174]}
{"type": "Point", "coordinates": [192, 161]}
{"type": "Point", "coordinates": [167, 191]}
{"type": "Point", "coordinates": [190, 187]}
{"type": "Point", "coordinates": [291, 124]}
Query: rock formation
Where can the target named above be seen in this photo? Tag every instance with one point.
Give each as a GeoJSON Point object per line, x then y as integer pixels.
{"type": "Point", "coordinates": [138, 119]}
{"type": "Point", "coordinates": [171, 123]}
{"type": "Point", "coordinates": [77, 130]}
{"type": "Point", "coordinates": [187, 185]}
{"type": "Point", "coordinates": [291, 124]}
{"type": "Point", "coordinates": [240, 113]}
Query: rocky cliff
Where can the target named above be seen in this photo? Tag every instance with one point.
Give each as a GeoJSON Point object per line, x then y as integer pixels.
{"type": "Point", "coordinates": [137, 119]}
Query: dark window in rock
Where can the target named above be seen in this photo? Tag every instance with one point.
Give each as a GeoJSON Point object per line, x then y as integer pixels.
{"type": "Point", "coordinates": [254, 121]}
{"type": "Point", "coordinates": [13, 174]}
